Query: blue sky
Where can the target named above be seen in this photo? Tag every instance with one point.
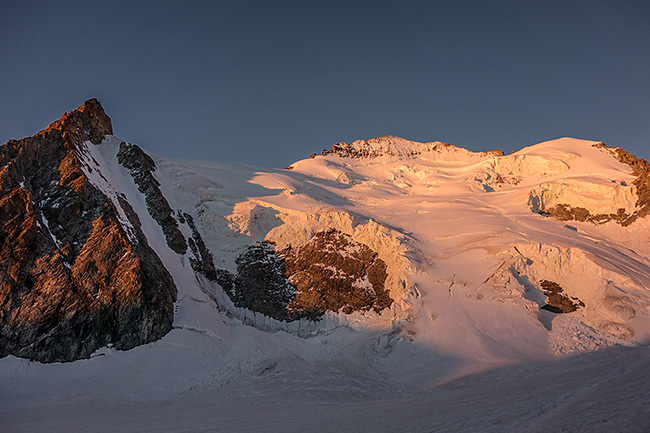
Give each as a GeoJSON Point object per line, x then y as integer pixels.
{"type": "Point", "coordinates": [270, 82]}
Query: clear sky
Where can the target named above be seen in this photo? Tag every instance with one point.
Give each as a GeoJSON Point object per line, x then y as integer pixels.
{"type": "Point", "coordinates": [270, 82]}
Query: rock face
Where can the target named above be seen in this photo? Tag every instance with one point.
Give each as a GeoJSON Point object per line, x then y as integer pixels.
{"type": "Point", "coordinates": [332, 272]}
{"type": "Point", "coordinates": [71, 278]}
{"type": "Point", "coordinates": [141, 168]}
{"type": "Point", "coordinates": [260, 284]}
{"type": "Point", "coordinates": [201, 259]}
{"type": "Point", "coordinates": [558, 302]}
{"type": "Point", "coordinates": [565, 212]}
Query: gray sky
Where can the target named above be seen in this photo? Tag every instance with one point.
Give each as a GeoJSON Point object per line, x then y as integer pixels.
{"type": "Point", "coordinates": [271, 82]}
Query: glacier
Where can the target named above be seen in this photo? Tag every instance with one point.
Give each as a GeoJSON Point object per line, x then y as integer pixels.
{"type": "Point", "coordinates": [465, 346]}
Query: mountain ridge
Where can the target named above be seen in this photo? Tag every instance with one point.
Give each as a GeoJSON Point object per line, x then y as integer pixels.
{"type": "Point", "coordinates": [421, 210]}
{"type": "Point", "coordinates": [390, 145]}
{"type": "Point", "coordinates": [70, 280]}
{"type": "Point", "coordinates": [191, 293]}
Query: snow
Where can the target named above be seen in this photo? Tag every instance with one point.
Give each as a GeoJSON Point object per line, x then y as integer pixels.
{"type": "Point", "coordinates": [464, 347]}
{"type": "Point", "coordinates": [597, 392]}
{"type": "Point", "coordinates": [47, 226]}
{"type": "Point", "coordinates": [601, 196]}
{"type": "Point", "coordinates": [421, 207]}
{"type": "Point", "coordinates": [99, 166]}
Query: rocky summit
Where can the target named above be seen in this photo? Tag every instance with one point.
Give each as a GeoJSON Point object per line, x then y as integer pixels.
{"type": "Point", "coordinates": [71, 279]}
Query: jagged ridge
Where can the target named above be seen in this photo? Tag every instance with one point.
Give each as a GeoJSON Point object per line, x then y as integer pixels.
{"type": "Point", "coordinates": [392, 146]}
{"type": "Point", "coordinates": [71, 280]}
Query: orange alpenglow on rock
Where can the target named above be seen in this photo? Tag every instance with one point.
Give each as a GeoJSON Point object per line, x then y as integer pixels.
{"type": "Point", "coordinates": [71, 280]}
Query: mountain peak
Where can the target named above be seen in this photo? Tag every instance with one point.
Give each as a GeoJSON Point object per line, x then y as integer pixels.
{"type": "Point", "coordinates": [88, 122]}
{"type": "Point", "coordinates": [76, 271]}
{"type": "Point", "coordinates": [389, 145]}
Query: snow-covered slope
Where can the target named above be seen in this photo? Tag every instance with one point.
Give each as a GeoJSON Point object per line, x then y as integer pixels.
{"type": "Point", "coordinates": [460, 236]}
{"type": "Point", "coordinates": [470, 249]}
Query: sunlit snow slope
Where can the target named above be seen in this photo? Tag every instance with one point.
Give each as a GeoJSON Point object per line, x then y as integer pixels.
{"type": "Point", "coordinates": [466, 250]}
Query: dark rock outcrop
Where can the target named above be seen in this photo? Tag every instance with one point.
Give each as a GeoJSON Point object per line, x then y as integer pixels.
{"type": "Point", "coordinates": [565, 212]}
{"type": "Point", "coordinates": [260, 284]}
{"type": "Point", "coordinates": [201, 259]}
{"type": "Point", "coordinates": [333, 272]}
{"type": "Point", "coordinates": [71, 278]}
{"type": "Point", "coordinates": [558, 302]}
{"type": "Point", "coordinates": [141, 168]}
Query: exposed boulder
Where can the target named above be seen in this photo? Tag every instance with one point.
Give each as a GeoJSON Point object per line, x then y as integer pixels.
{"type": "Point", "coordinates": [558, 302]}
{"type": "Point", "coordinates": [71, 278]}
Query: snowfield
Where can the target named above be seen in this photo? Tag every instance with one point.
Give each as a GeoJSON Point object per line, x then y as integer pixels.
{"type": "Point", "coordinates": [466, 345]}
